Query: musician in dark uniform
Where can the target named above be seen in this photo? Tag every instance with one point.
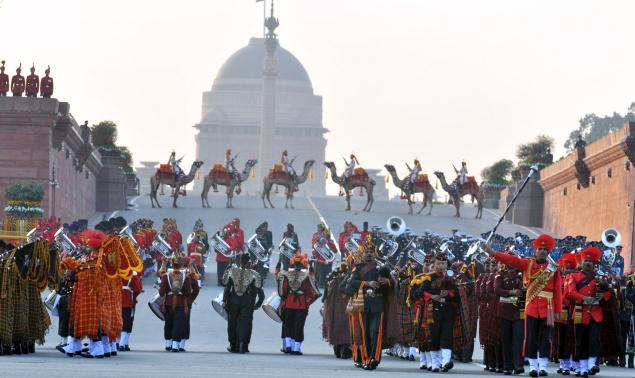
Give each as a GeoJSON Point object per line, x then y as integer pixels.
{"type": "Point", "coordinates": [508, 289]}
{"type": "Point", "coordinates": [441, 289]}
{"type": "Point", "coordinates": [64, 291]}
{"type": "Point", "coordinates": [297, 292]}
{"type": "Point", "coordinates": [265, 237]}
{"type": "Point", "coordinates": [242, 286]}
{"type": "Point", "coordinates": [322, 267]}
{"type": "Point", "coordinates": [176, 288]}
{"type": "Point", "coordinates": [373, 282]}
{"type": "Point", "coordinates": [283, 261]}
{"type": "Point", "coordinates": [587, 290]}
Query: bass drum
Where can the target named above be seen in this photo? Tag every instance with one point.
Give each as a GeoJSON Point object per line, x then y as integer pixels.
{"type": "Point", "coordinates": [271, 307]}
{"type": "Point", "coordinates": [155, 305]}
{"type": "Point", "coordinates": [217, 305]}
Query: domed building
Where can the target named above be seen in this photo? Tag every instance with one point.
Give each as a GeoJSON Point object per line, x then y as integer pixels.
{"type": "Point", "coordinates": [232, 116]}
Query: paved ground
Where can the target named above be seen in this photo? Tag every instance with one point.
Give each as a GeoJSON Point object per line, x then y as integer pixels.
{"type": "Point", "coordinates": [206, 354]}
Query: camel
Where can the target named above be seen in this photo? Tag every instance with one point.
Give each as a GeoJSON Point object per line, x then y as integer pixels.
{"type": "Point", "coordinates": [355, 181]}
{"type": "Point", "coordinates": [213, 179]}
{"type": "Point", "coordinates": [420, 187]}
{"type": "Point", "coordinates": [168, 179]}
{"type": "Point", "coordinates": [282, 178]}
{"type": "Point", "coordinates": [456, 193]}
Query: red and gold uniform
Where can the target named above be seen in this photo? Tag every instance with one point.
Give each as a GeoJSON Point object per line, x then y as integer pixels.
{"type": "Point", "coordinates": [297, 292]}
{"type": "Point", "coordinates": [587, 291]}
{"type": "Point", "coordinates": [542, 302]}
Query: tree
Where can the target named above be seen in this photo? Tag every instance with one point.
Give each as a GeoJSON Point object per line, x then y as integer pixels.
{"type": "Point", "coordinates": [104, 134]}
{"type": "Point", "coordinates": [498, 172]}
{"type": "Point", "coordinates": [593, 127]}
{"type": "Point", "coordinates": [538, 151]}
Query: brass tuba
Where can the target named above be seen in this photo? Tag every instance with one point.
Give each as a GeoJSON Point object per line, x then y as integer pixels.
{"type": "Point", "coordinates": [256, 249]}
{"type": "Point", "coordinates": [352, 246]}
{"type": "Point", "coordinates": [160, 245]}
{"type": "Point", "coordinates": [286, 248]}
{"type": "Point", "coordinates": [321, 246]}
{"type": "Point", "coordinates": [63, 242]}
{"type": "Point", "coordinates": [220, 246]}
{"type": "Point", "coordinates": [395, 226]}
{"type": "Point", "coordinates": [611, 238]}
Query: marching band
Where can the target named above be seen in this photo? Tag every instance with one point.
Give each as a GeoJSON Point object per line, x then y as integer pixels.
{"type": "Point", "coordinates": [384, 290]}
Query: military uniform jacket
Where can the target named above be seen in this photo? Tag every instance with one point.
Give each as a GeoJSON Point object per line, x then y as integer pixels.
{"type": "Point", "coordinates": [580, 285]}
{"type": "Point", "coordinates": [434, 286]}
{"type": "Point", "coordinates": [509, 306]}
{"type": "Point", "coordinates": [242, 286]}
{"type": "Point", "coordinates": [374, 300]}
{"type": "Point", "coordinates": [297, 289]}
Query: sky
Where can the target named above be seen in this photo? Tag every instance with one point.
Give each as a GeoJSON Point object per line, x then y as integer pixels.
{"type": "Point", "coordinates": [440, 81]}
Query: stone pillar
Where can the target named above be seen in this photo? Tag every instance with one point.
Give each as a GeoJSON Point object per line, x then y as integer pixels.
{"type": "Point", "coordinates": [111, 185]}
{"type": "Point", "coordinates": [380, 192]}
{"type": "Point", "coordinates": [492, 195]}
{"type": "Point", "coordinates": [268, 120]}
{"type": "Point", "coordinates": [147, 170]}
{"type": "Point", "coordinates": [527, 210]}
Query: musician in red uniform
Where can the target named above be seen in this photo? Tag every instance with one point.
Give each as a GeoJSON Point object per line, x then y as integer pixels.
{"type": "Point", "coordinates": [223, 261]}
{"type": "Point", "coordinates": [349, 230]}
{"type": "Point", "coordinates": [17, 83]}
{"type": "Point", "coordinates": [130, 289]}
{"type": "Point", "coordinates": [508, 289]}
{"type": "Point", "coordinates": [543, 299]}
{"type": "Point", "coordinates": [587, 290]}
{"type": "Point", "coordinates": [32, 83]}
{"type": "Point", "coordinates": [46, 85]}
{"type": "Point", "coordinates": [4, 81]}
{"type": "Point", "coordinates": [194, 279]}
{"type": "Point", "coordinates": [322, 267]}
{"type": "Point", "coordinates": [562, 348]}
{"type": "Point", "coordinates": [176, 288]}
{"type": "Point", "coordinates": [297, 292]}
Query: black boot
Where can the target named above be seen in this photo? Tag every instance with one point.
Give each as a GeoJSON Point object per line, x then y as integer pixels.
{"type": "Point", "coordinates": [630, 361]}
{"type": "Point", "coordinates": [31, 347]}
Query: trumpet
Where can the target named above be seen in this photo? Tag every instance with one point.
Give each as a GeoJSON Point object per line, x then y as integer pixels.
{"type": "Point", "coordinates": [63, 242]}
{"type": "Point", "coordinates": [286, 248]}
{"type": "Point", "coordinates": [220, 246]}
{"type": "Point", "coordinates": [321, 246]}
{"type": "Point", "coordinates": [127, 232]}
{"type": "Point", "coordinates": [160, 245]}
{"type": "Point", "coordinates": [256, 249]}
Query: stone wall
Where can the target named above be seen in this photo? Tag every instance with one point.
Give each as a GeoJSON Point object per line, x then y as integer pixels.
{"type": "Point", "coordinates": [41, 141]}
{"type": "Point", "coordinates": [584, 196]}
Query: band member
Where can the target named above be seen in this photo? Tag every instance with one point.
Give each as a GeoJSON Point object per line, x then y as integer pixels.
{"type": "Point", "coordinates": [349, 230]}
{"type": "Point", "coordinates": [32, 83]}
{"type": "Point", "coordinates": [508, 287]}
{"type": "Point", "coordinates": [17, 83]}
{"type": "Point", "coordinates": [222, 262]}
{"type": "Point", "coordinates": [283, 261]}
{"type": "Point", "coordinates": [369, 286]}
{"type": "Point", "coordinates": [562, 348]}
{"type": "Point", "coordinates": [335, 324]}
{"type": "Point", "coordinates": [349, 171]}
{"type": "Point", "coordinates": [176, 288]}
{"type": "Point", "coordinates": [618, 264]}
{"type": "Point", "coordinates": [130, 289]}
{"type": "Point", "coordinates": [287, 163]}
{"type": "Point", "coordinates": [4, 81]}
{"type": "Point", "coordinates": [543, 299]}
{"type": "Point", "coordinates": [265, 237]}
{"type": "Point", "coordinates": [197, 249]}
{"type": "Point", "coordinates": [242, 286]}
{"type": "Point", "coordinates": [174, 163]}
{"type": "Point", "coordinates": [297, 292]}
{"type": "Point", "coordinates": [587, 291]}
{"type": "Point", "coordinates": [46, 85]}
{"type": "Point", "coordinates": [322, 237]}
{"type": "Point", "coordinates": [442, 293]}
{"type": "Point", "coordinates": [494, 345]}
{"type": "Point", "coordinates": [194, 279]}
{"type": "Point", "coordinates": [483, 313]}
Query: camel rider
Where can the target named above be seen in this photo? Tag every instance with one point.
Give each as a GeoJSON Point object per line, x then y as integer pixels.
{"type": "Point", "coordinates": [463, 173]}
{"type": "Point", "coordinates": [350, 169]}
{"type": "Point", "coordinates": [287, 163]}
{"type": "Point", "coordinates": [414, 174]}
{"type": "Point", "coordinates": [174, 164]}
{"type": "Point", "coordinates": [229, 162]}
